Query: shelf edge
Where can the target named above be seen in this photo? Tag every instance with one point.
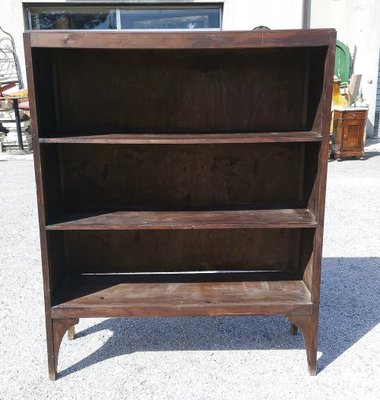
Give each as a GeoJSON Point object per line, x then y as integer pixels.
{"type": "Point", "coordinates": [224, 138]}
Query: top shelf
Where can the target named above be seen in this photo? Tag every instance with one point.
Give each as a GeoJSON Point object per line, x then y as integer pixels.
{"type": "Point", "coordinates": [191, 138]}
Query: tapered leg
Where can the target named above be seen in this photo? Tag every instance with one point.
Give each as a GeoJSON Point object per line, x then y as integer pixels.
{"type": "Point", "coordinates": [71, 333]}
{"type": "Point", "coordinates": [60, 326]}
{"type": "Point", "coordinates": [293, 329]}
{"type": "Point", "coordinates": [308, 325]}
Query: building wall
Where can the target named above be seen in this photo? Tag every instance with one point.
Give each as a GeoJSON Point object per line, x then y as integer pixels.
{"type": "Point", "coordinates": [275, 14]}
{"type": "Point", "coordinates": [12, 21]}
{"type": "Point", "coordinates": [357, 23]}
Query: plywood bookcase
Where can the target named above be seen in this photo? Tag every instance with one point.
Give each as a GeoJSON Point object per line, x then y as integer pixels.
{"type": "Point", "coordinates": [180, 174]}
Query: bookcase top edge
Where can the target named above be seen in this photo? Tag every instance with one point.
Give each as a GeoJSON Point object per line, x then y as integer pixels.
{"type": "Point", "coordinates": [180, 40]}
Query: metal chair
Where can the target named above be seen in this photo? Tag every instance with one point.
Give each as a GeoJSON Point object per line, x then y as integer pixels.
{"type": "Point", "coordinates": [10, 76]}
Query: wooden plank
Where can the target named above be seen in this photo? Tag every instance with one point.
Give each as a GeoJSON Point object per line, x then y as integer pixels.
{"type": "Point", "coordinates": [47, 269]}
{"type": "Point", "coordinates": [142, 220]}
{"type": "Point", "coordinates": [179, 40]}
{"type": "Point", "coordinates": [113, 296]}
{"type": "Point", "coordinates": [195, 138]}
{"type": "Point", "coordinates": [312, 274]}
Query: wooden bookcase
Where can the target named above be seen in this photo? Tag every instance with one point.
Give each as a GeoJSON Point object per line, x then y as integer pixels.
{"type": "Point", "coordinates": [180, 174]}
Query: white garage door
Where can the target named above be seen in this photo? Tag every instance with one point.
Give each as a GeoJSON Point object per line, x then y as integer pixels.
{"type": "Point", "coordinates": [377, 110]}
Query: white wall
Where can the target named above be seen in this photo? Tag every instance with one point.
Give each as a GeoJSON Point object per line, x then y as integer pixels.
{"type": "Point", "coordinates": [276, 14]}
{"type": "Point", "coordinates": [358, 25]}
{"type": "Point", "coordinates": [12, 21]}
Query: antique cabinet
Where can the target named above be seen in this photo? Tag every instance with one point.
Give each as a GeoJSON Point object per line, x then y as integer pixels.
{"type": "Point", "coordinates": [180, 174]}
{"type": "Point", "coordinates": [349, 133]}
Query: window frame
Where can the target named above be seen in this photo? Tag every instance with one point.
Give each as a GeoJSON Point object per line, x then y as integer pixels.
{"type": "Point", "coordinates": [28, 8]}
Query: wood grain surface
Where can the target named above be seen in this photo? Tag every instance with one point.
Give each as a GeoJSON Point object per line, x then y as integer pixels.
{"type": "Point", "coordinates": [175, 40]}
{"type": "Point", "coordinates": [184, 138]}
{"type": "Point", "coordinates": [111, 296]}
{"type": "Point", "coordinates": [147, 220]}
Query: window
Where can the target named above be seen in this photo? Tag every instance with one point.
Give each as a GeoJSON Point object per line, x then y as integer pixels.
{"type": "Point", "coordinates": [72, 18]}
{"type": "Point", "coordinates": [168, 18]}
{"type": "Point", "coordinates": [206, 17]}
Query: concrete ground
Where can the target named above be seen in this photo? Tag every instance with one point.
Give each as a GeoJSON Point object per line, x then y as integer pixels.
{"type": "Point", "coordinates": [200, 358]}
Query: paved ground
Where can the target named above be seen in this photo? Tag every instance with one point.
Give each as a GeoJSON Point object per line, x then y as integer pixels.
{"type": "Point", "coordinates": [200, 358]}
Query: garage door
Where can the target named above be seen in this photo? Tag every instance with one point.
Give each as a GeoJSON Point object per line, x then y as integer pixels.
{"type": "Point", "coordinates": [377, 110]}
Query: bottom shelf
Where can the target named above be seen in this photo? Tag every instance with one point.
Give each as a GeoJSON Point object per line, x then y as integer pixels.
{"type": "Point", "coordinates": [163, 295]}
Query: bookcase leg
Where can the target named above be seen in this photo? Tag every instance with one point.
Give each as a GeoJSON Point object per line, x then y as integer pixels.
{"type": "Point", "coordinates": [71, 333]}
{"type": "Point", "coordinates": [60, 326]}
{"type": "Point", "coordinates": [293, 329]}
{"type": "Point", "coordinates": [308, 325]}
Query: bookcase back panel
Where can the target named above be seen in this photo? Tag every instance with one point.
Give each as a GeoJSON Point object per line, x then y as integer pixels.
{"type": "Point", "coordinates": [179, 91]}
{"type": "Point", "coordinates": [176, 176]}
{"type": "Point", "coordinates": [187, 250]}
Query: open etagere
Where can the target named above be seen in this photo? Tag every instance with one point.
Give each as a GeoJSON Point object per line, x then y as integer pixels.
{"type": "Point", "coordinates": [180, 174]}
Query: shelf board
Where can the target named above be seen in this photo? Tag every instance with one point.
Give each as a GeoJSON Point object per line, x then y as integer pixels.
{"type": "Point", "coordinates": [122, 296]}
{"type": "Point", "coordinates": [151, 220]}
{"type": "Point", "coordinates": [188, 138]}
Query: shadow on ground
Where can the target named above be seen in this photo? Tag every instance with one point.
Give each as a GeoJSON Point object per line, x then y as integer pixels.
{"type": "Point", "coordinates": [350, 308]}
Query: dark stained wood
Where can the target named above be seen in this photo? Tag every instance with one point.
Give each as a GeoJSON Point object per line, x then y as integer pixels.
{"type": "Point", "coordinates": [147, 220]}
{"type": "Point", "coordinates": [293, 329]}
{"type": "Point", "coordinates": [308, 325]}
{"type": "Point", "coordinates": [47, 267]}
{"type": "Point", "coordinates": [60, 326]}
{"type": "Point", "coordinates": [317, 203]}
{"type": "Point", "coordinates": [186, 91]}
{"type": "Point", "coordinates": [181, 174]}
{"type": "Point", "coordinates": [181, 177]}
{"type": "Point", "coordinates": [104, 296]}
{"type": "Point", "coordinates": [205, 138]}
{"type": "Point", "coordinates": [306, 256]}
{"type": "Point", "coordinates": [182, 250]}
{"type": "Point", "coordinates": [179, 40]}
{"type": "Point", "coordinates": [349, 133]}
{"type": "Point", "coordinates": [71, 333]}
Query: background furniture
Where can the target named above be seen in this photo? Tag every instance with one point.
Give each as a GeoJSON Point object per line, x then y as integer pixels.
{"type": "Point", "coordinates": [349, 132]}
{"type": "Point", "coordinates": [190, 180]}
{"type": "Point", "coordinates": [10, 76]}
{"type": "Point", "coordinates": [17, 120]}
{"type": "Point", "coordinates": [10, 73]}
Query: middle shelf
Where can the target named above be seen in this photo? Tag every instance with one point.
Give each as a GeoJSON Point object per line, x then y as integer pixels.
{"type": "Point", "coordinates": [187, 138]}
{"type": "Point", "coordinates": [149, 220]}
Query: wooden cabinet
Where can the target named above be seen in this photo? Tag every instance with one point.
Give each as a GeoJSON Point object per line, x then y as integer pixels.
{"type": "Point", "coordinates": [180, 174]}
{"type": "Point", "coordinates": [349, 133]}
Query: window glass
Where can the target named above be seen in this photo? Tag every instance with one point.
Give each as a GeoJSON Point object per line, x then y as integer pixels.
{"type": "Point", "coordinates": [75, 18]}
{"type": "Point", "coordinates": [136, 18]}
{"type": "Point", "coordinates": [166, 18]}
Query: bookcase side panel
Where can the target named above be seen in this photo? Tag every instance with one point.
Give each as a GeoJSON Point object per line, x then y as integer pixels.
{"type": "Point", "coordinates": [312, 274]}
{"type": "Point", "coordinates": [32, 65]}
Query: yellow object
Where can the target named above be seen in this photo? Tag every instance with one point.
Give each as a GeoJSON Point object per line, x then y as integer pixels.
{"type": "Point", "coordinates": [19, 93]}
{"type": "Point", "coordinates": [337, 99]}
